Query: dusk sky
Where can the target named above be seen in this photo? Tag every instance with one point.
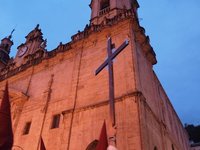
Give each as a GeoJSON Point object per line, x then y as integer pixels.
{"type": "Point", "coordinates": [173, 27]}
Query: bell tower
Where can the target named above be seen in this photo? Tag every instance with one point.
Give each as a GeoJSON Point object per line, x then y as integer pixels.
{"type": "Point", "coordinates": [5, 48]}
{"type": "Point", "coordinates": [110, 8]}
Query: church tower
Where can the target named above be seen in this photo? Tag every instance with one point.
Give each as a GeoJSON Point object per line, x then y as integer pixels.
{"type": "Point", "coordinates": [110, 8]}
{"type": "Point", "coordinates": [5, 48]}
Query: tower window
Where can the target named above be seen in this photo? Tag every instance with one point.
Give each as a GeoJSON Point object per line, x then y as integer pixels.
{"type": "Point", "coordinates": [104, 4]}
{"type": "Point", "coordinates": [55, 122]}
{"type": "Point", "coordinates": [27, 128]}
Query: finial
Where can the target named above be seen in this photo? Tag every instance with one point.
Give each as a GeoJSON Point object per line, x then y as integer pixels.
{"type": "Point", "coordinates": [37, 27]}
{"type": "Point", "coordinates": [10, 36]}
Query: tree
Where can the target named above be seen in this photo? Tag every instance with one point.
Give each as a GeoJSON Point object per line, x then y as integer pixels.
{"type": "Point", "coordinates": [194, 132]}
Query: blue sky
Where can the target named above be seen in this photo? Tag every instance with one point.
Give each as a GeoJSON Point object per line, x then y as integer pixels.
{"type": "Point", "coordinates": [173, 27]}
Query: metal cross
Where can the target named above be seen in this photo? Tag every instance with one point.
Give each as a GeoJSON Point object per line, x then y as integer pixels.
{"type": "Point", "coordinates": [109, 62]}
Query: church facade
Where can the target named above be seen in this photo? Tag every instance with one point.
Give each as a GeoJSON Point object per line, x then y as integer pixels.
{"type": "Point", "coordinates": [56, 95]}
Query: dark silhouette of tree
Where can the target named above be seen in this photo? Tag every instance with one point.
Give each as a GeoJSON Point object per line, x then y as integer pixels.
{"type": "Point", "coordinates": [194, 132]}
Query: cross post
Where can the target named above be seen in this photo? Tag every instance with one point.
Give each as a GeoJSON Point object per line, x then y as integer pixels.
{"type": "Point", "coordinates": [109, 63]}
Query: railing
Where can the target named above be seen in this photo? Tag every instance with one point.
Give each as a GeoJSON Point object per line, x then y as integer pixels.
{"type": "Point", "coordinates": [104, 11]}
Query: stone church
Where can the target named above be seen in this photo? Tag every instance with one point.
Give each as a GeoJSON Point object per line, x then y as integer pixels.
{"type": "Point", "coordinates": [54, 94]}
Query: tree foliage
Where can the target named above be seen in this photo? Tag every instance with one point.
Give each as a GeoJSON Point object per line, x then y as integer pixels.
{"type": "Point", "coordinates": [194, 132]}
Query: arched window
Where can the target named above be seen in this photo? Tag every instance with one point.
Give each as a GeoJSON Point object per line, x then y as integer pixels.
{"type": "Point", "coordinates": [155, 148]}
{"type": "Point", "coordinates": [104, 4]}
{"type": "Point", "coordinates": [92, 145]}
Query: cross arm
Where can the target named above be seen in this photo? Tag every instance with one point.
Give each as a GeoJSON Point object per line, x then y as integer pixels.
{"type": "Point", "coordinates": [124, 45]}
{"type": "Point", "coordinates": [126, 42]}
{"type": "Point", "coordinates": [101, 67]}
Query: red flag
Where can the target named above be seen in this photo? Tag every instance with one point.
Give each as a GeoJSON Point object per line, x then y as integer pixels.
{"type": "Point", "coordinates": [6, 133]}
{"type": "Point", "coordinates": [103, 142]}
{"type": "Point", "coordinates": [42, 146]}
